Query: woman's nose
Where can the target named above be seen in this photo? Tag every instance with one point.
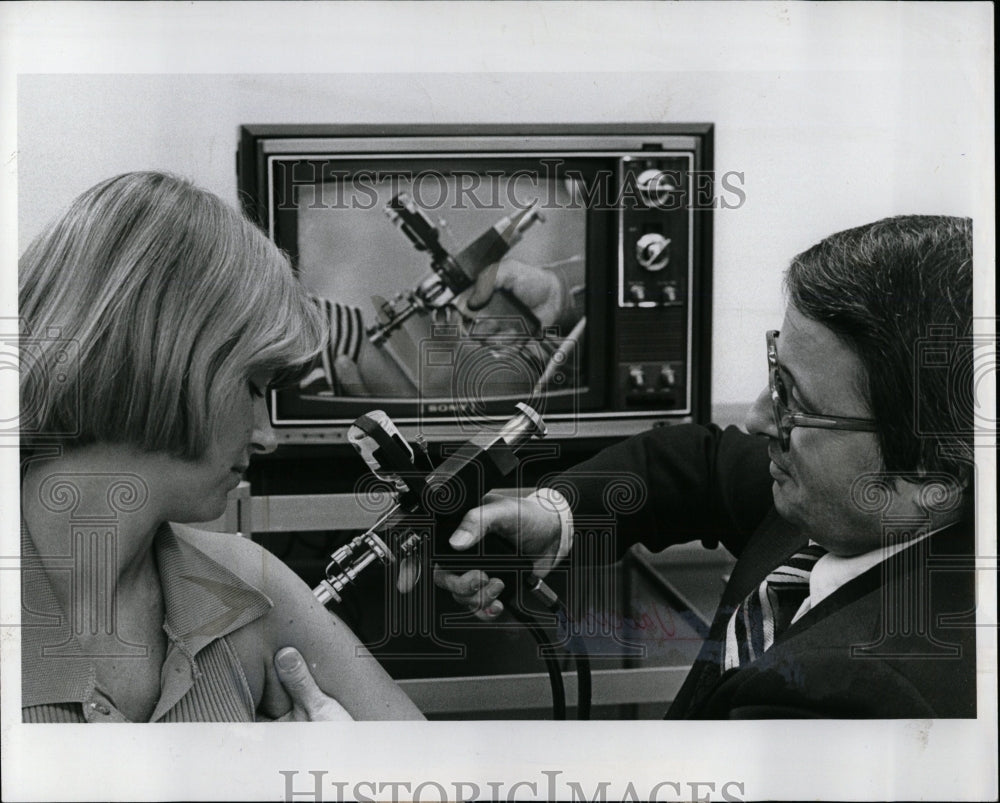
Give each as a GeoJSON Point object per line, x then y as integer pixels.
{"type": "Point", "coordinates": [262, 439]}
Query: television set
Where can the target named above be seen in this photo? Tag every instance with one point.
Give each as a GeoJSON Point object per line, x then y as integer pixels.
{"type": "Point", "coordinates": [464, 269]}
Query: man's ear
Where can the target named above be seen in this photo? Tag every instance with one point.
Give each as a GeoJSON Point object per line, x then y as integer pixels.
{"type": "Point", "coordinates": [966, 479]}
{"type": "Point", "coordinates": [961, 469]}
{"type": "Point", "coordinates": [938, 493]}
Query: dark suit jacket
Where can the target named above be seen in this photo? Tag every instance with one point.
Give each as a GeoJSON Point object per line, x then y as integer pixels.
{"type": "Point", "coordinates": [898, 641]}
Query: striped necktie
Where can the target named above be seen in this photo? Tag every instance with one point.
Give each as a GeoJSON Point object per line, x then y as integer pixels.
{"type": "Point", "coordinates": [769, 608]}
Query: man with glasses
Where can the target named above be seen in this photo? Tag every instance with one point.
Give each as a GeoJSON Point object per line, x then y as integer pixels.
{"type": "Point", "coordinates": [849, 505]}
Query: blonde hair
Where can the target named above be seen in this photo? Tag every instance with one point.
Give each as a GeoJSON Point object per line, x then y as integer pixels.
{"type": "Point", "coordinates": [169, 299]}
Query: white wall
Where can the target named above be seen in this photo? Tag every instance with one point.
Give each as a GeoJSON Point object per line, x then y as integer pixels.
{"type": "Point", "coordinates": [821, 148]}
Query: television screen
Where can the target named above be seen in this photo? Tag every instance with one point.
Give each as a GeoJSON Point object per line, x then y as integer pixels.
{"type": "Point", "coordinates": [461, 288]}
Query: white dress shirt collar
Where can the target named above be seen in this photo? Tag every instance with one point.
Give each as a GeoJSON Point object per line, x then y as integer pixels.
{"type": "Point", "coordinates": [833, 571]}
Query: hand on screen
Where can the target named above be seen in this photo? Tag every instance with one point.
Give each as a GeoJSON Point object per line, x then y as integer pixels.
{"type": "Point", "coordinates": [528, 526]}
{"type": "Point", "coordinates": [537, 288]}
{"type": "Point", "coordinates": [309, 703]}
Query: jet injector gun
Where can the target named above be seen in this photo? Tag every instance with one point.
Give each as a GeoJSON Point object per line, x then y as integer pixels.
{"type": "Point", "coordinates": [452, 275]}
{"type": "Point", "coordinates": [429, 504]}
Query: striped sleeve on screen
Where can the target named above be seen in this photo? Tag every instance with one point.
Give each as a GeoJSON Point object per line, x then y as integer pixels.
{"type": "Point", "coordinates": [345, 330]}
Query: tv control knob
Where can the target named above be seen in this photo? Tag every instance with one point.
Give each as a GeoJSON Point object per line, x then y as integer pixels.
{"type": "Point", "coordinates": [668, 378]}
{"type": "Point", "coordinates": [637, 292]}
{"type": "Point", "coordinates": [652, 251]}
{"type": "Point", "coordinates": [655, 187]}
{"type": "Point", "coordinates": [637, 377]}
{"type": "Point", "coordinates": [668, 293]}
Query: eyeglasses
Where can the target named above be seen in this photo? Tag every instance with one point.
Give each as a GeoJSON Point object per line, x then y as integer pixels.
{"type": "Point", "coordinates": [785, 420]}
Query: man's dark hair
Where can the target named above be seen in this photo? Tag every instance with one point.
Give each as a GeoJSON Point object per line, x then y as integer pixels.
{"type": "Point", "coordinates": [899, 293]}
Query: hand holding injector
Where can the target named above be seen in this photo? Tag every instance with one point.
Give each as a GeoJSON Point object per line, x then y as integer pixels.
{"type": "Point", "coordinates": [429, 504]}
{"type": "Point", "coordinates": [456, 280]}
{"type": "Point", "coordinates": [439, 497]}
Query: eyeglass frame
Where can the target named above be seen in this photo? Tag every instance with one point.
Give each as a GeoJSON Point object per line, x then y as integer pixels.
{"type": "Point", "coordinates": [785, 420]}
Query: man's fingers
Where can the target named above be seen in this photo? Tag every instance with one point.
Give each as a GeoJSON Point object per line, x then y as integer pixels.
{"type": "Point", "coordinates": [478, 522]}
{"type": "Point", "coordinates": [474, 589]}
{"type": "Point", "coordinates": [481, 598]}
{"type": "Point", "coordinates": [482, 290]}
{"type": "Point", "coordinates": [309, 702]}
{"type": "Point", "coordinates": [525, 281]}
{"type": "Point", "coordinates": [537, 288]}
{"type": "Point", "coordinates": [462, 584]}
{"type": "Point", "coordinates": [466, 534]}
{"type": "Point", "coordinates": [492, 610]}
{"type": "Point", "coordinates": [298, 681]}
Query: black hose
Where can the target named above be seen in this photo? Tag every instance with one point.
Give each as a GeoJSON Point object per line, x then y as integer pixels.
{"type": "Point", "coordinates": [578, 649]}
{"type": "Point", "coordinates": [551, 664]}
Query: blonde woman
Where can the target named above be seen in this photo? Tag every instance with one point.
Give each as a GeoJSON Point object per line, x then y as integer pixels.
{"type": "Point", "coordinates": [154, 318]}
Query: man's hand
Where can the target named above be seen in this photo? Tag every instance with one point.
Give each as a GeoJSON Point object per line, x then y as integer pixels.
{"type": "Point", "coordinates": [530, 526]}
{"type": "Point", "coordinates": [309, 703]}
{"type": "Point", "coordinates": [537, 288]}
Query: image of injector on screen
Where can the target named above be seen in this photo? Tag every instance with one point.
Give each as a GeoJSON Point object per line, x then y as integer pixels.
{"type": "Point", "coordinates": [488, 307]}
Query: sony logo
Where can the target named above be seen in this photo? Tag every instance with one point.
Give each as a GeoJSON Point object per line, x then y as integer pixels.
{"type": "Point", "coordinates": [446, 408]}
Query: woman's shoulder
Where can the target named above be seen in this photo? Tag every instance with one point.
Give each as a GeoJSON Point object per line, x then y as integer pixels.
{"type": "Point", "coordinates": [239, 555]}
{"type": "Point", "coordinates": [251, 563]}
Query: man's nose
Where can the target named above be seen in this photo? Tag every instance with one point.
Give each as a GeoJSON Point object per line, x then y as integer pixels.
{"type": "Point", "coordinates": [263, 439]}
{"type": "Point", "coordinates": [760, 416]}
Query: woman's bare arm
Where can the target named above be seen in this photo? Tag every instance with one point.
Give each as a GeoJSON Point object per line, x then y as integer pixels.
{"type": "Point", "coordinates": [341, 666]}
